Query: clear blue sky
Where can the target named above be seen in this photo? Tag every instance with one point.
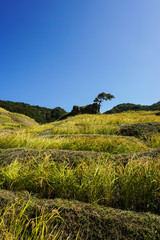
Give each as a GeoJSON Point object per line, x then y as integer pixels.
{"type": "Point", "coordinates": [64, 52]}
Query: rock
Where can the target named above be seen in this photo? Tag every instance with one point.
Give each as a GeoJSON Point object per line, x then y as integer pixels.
{"type": "Point", "coordinates": [76, 109]}
{"type": "Point", "coordinates": [88, 109]}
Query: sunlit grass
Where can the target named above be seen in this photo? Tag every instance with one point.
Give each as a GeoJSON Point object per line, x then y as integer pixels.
{"type": "Point", "coordinates": [95, 124]}
{"type": "Point", "coordinates": [2, 110]}
{"type": "Point", "coordinates": [119, 118]}
{"type": "Point", "coordinates": [135, 186]}
{"type": "Point", "coordinates": [16, 222]}
{"type": "Point", "coordinates": [114, 144]}
{"type": "Point", "coordinates": [154, 141]}
{"type": "Point", "coordinates": [14, 121]}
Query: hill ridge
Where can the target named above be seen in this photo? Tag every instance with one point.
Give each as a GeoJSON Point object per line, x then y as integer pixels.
{"type": "Point", "coordinates": [133, 107]}
{"type": "Point", "coordinates": [39, 114]}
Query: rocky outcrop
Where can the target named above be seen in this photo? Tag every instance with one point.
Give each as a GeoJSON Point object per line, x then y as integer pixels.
{"type": "Point", "coordinates": [88, 109]}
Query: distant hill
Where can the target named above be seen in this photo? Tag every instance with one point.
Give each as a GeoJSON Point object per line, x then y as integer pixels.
{"type": "Point", "coordinates": [39, 114]}
{"type": "Point", "coordinates": [133, 107]}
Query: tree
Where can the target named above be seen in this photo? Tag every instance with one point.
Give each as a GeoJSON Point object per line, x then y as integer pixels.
{"type": "Point", "coordinates": [102, 97]}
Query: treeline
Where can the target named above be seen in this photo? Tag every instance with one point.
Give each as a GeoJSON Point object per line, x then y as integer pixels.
{"type": "Point", "coordinates": [39, 114]}
{"type": "Point", "coordinates": [133, 107]}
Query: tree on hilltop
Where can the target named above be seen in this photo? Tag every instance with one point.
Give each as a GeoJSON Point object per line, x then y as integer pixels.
{"type": "Point", "coordinates": [102, 97]}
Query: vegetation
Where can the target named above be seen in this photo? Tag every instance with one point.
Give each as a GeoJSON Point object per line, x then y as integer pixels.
{"type": "Point", "coordinates": [134, 186]}
{"type": "Point", "coordinates": [14, 121]}
{"type": "Point", "coordinates": [116, 144]}
{"type": "Point", "coordinates": [94, 169]}
{"type": "Point", "coordinates": [103, 97]}
{"type": "Point", "coordinates": [17, 222]}
{"type": "Point", "coordinates": [82, 219]}
{"type": "Point", "coordinates": [133, 107]}
{"type": "Point", "coordinates": [39, 114]}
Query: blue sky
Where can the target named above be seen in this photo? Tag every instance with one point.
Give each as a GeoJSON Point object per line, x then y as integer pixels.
{"type": "Point", "coordinates": [64, 52]}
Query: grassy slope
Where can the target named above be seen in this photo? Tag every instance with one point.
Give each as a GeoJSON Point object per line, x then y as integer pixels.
{"type": "Point", "coordinates": [14, 121]}
{"type": "Point", "coordinates": [93, 144]}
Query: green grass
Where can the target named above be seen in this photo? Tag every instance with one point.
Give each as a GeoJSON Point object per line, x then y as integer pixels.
{"type": "Point", "coordinates": [135, 186]}
{"type": "Point", "coordinates": [154, 141]}
{"type": "Point", "coordinates": [81, 220]}
{"type": "Point", "coordinates": [114, 144]}
{"type": "Point", "coordinates": [93, 176]}
{"type": "Point", "coordinates": [14, 121]}
{"type": "Point", "coordinates": [94, 124]}
{"type": "Point", "coordinates": [18, 222]}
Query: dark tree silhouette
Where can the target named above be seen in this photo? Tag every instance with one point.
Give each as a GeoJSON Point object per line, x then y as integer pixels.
{"type": "Point", "coordinates": [103, 97]}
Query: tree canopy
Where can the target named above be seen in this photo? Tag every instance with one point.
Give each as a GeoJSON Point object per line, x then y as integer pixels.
{"type": "Point", "coordinates": [133, 107]}
{"type": "Point", "coordinates": [39, 114]}
{"type": "Point", "coordinates": [103, 97]}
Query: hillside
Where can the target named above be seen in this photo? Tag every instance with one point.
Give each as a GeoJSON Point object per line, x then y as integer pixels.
{"type": "Point", "coordinates": [133, 107]}
{"type": "Point", "coordinates": [84, 177]}
{"type": "Point", "coordinates": [14, 121]}
{"type": "Point", "coordinates": [39, 114]}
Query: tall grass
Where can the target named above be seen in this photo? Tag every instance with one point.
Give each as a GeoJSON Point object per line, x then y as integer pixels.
{"type": "Point", "coordinates": [118, 118]}
{"type": "Point", "coordinates": [19, 220]}
{"type": "Point", "coordinates": [94, 124]}
{"type": "Point", "coordinates": [153, 141]}
{"type": "Point", "coordinates": [85, 126]}
{"type": "Point", "coordinates": [135, 186]}
{"type": "Point", "coordinates": [114, 144]}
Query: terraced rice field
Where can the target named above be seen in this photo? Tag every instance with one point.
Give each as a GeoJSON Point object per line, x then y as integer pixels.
{"type": "Point", "coordinates": [85, 177]}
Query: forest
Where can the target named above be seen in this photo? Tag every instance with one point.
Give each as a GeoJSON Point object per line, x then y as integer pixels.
{"type": "Point", "coordinates": [39, 114]}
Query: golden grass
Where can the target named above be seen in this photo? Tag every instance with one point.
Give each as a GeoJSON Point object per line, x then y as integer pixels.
{"type": "Point", "coordinates": [16, 222]}
{"type": "Point", "coordinates": [134, 186]}
{"type": "Point", "coordinates": [114, 144]}
{"type": "Point", "coordinates": [79, 132]}
{"type": "Point", "coordinates": [13, 121]}
{"type": "Point", "coordinates": [153, 141]}
{"type": "Point", "coordinates": [95, 124]}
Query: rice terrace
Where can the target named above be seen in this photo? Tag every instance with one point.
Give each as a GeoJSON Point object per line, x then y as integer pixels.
{"type": "Point", "coordinates": [71, 167]}
{"type": "Point", "coordinates": [88, 176]}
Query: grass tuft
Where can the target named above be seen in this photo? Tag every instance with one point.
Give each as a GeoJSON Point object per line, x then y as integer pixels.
{"type": "Point", "coordinates": [17, 222]}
